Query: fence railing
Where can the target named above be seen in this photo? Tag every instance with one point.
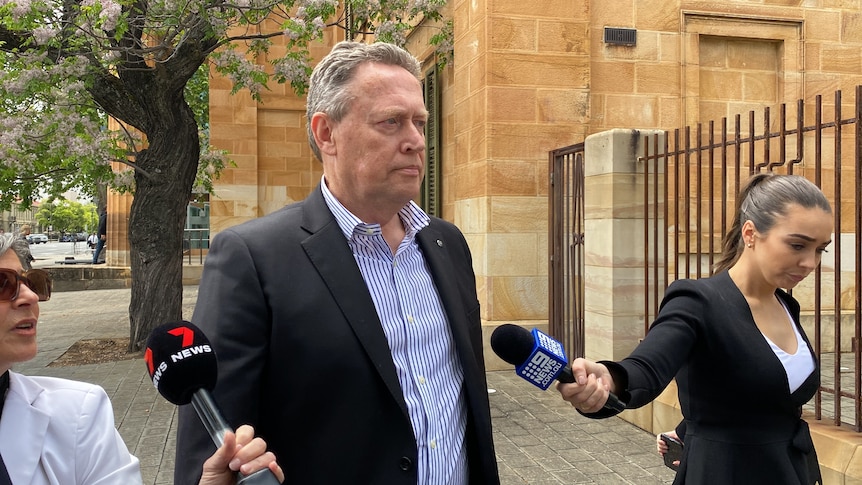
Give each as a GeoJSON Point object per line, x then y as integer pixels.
{"type": "Point", "coordinates": [566, 248]}
{"type": "Point", "coordinates": [196, 243]}
{"type": "Point", "coordinates": [692, 180]}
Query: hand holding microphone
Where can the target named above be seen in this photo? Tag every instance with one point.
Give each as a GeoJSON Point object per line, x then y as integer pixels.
{"type": "Point", "coordinates": [240, 452]}
{"type": "Point", "coordinates": [540, 359]}
{"type": "Point", "coordinates": [590, 393]}
{"type": "Point", "coordinates": [184, 369]}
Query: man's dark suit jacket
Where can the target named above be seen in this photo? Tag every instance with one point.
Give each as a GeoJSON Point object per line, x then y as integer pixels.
{"type": "Point", "coordinates": [303, 357]}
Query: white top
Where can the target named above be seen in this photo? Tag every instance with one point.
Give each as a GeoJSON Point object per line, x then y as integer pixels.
{"type": "Point", "coordinates": [799, 365]}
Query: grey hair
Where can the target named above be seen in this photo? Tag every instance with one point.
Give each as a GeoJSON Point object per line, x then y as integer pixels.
{"type": "Point", "coordinates": [328, 88]}
{"type": "Point", "coordinates": [18, 245]}
{"type": "Point", "coordinates": [765, 198]}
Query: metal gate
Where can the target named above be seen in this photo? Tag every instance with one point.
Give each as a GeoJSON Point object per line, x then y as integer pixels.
{"type": "Point", "coordinates": [566, 248]}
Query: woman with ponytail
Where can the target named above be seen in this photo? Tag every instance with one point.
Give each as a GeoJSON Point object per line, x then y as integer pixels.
{"type": "Point", "coordinates": [743, 364]}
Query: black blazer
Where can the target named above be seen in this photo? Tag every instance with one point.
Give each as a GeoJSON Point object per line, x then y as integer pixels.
{"type": "Point", "coordinates": [742, 422]}
{"type": "Point", "coordinates": [303, 356]}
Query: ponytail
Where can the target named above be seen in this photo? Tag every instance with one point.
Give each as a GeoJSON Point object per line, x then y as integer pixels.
{"type": "Point", "coordinates": [731, 243]}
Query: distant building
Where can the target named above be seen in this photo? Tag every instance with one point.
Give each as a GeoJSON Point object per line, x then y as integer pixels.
{"type": "Point", "coordinates": [13, 219]}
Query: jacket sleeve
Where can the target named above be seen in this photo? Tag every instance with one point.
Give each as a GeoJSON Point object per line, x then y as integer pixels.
{"type": "Point", "coordinates": [101, 456]}
{"type": "Point", "coordinates": [233, 314]}
{"type": "Point", "coordinates": [644, 374]}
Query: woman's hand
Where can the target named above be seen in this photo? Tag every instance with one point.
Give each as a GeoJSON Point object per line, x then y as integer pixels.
{"type": "Point", "coordinates": [593, 383]}
{"type": "Point", "coordinates": [240, 452]}
{"type": "Point", "coordinates": [661, 445]}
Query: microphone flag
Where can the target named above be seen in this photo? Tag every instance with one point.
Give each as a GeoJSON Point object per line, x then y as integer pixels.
{"type": "Point", "coordinates": [180, 360]}
{"type": "Point", "coordinates": [546, 361]}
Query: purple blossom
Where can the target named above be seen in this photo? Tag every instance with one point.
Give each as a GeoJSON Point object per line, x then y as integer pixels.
{"type": "Point", "coordinates": [44, 34]}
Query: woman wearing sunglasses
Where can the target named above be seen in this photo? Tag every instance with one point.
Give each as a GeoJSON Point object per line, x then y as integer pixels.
{"type": "Point", "coordinates": [58, 431]}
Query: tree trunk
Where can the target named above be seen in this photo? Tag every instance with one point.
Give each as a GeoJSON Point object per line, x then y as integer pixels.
{"type": "Point", "coordinates": [157, 219]}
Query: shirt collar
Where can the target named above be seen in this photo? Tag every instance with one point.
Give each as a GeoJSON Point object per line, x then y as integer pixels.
{"type": "Point", "coordinates": [412, 217]}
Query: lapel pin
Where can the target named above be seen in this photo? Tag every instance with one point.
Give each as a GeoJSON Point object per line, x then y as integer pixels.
{"type": "Point", "coordinates": [440, 243]}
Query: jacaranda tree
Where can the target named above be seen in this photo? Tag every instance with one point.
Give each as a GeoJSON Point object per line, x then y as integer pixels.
{"type": "Point", "coordinates": [69, 67]}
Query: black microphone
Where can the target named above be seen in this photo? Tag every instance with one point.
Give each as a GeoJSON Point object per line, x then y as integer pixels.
{"type": "Point", "coordinates": [538, 358]}
{"type": "Point", "coordinates": [184, 369]}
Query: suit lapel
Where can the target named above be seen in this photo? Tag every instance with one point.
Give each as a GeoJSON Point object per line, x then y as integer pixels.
{"type": "Point", "coordinates": [328, 251]}
{"type": "Point", "coordinates": [20, 418]}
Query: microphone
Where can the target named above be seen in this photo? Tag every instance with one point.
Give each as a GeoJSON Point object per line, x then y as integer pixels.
{"type": "Point", "coordinates": [538, 358]}
{"type": "Point", "coordinates": [184, 369]}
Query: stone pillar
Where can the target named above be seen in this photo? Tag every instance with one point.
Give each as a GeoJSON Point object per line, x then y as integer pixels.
{"type": "Point", "coordinates": [614, 274]}
{"type": "Point", "coordinates": [117, 244]}
{"type": "Point", "coordinates": [614, 277]}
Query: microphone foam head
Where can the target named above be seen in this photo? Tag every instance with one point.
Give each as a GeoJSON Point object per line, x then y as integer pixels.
{"type": "Point", "coordinates": [512, 343]}
{"type": "Point", "coordinates": [180, 360]}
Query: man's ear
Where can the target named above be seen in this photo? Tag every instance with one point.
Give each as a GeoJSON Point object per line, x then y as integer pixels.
{"type": "Point", "coordinates": [322, 128]}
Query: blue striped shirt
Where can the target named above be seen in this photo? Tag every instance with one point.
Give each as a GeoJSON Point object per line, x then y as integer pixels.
{"type": "Point", "coordinates": [420, 339]}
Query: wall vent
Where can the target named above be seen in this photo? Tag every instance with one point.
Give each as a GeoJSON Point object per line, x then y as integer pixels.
{"type": "Point", "coordinates": [620, 36]}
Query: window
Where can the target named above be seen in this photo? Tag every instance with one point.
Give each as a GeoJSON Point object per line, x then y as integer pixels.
{"type": "Point", "coordinates": [430, 193]}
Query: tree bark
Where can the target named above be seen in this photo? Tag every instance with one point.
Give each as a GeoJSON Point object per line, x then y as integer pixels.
{"type": "Point", "coordinates": [157, 219]}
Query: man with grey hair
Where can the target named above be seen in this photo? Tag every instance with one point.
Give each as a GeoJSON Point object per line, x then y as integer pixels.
{"type": "Point", "coordinates": [347, 325]}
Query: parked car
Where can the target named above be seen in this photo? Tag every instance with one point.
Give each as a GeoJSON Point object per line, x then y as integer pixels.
{"type": "Point", "coordinates": [73, 237]}
{"type": "Point", "coordinates": [37, 238]}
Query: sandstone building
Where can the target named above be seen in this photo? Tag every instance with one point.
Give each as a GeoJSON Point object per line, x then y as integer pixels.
{"type": "Point", "coordinates": [529, 77]}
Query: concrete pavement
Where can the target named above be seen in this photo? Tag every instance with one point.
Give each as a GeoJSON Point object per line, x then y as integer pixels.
{"type": "Point", "coordinates": [539, 439]}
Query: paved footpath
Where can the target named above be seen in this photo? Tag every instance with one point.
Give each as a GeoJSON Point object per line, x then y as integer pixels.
{"type": "Point", "coordinates": [539, 439]}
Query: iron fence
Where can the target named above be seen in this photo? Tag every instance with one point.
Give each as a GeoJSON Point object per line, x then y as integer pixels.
{"type": "Point", "coordinates": [692, 179]}
{"type": "Point", "coordinates": [566, 248]}
{"type": "Point", "coordinates": [196, 243]}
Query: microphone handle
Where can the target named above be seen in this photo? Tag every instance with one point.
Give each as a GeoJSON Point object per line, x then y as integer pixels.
{"type": "Point", "coordinates": [215, 424]}
{"type": "Point", "coordinates": [260, 477]}
{"type": "Point", "coordinates": [613, 401]}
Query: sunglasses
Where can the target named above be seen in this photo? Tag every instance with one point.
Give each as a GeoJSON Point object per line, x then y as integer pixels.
{"type": "Point", "coordinates": [39, 281]}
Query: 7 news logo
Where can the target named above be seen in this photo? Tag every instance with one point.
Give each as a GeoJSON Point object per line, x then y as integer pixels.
{"type": "Point", "coordinates": [187, 350]}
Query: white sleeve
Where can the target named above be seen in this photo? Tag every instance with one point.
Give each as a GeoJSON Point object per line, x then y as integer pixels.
{"type": "Point", "coordinates": [101, 456]}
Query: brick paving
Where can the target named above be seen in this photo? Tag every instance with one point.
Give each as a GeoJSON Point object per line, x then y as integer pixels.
{"type": "Point", "coordinates": [539, 439]}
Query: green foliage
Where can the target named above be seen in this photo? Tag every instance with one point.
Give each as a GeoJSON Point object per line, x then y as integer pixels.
{"type": "Point", "coordinates": [67, 216]}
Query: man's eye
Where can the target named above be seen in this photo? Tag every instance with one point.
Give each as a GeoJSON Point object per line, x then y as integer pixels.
{"type": "Point", "coordinates": [420, 124]}
{"type": "Point", "coordinates": [391, 121]}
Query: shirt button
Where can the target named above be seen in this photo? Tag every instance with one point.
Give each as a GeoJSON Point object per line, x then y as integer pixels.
{"type": "Point", "coordinates": [409, 318]}
{"type": "Point", "coordinates": [421, 380]}
{"type": "Point", "coordinates": [405, 463]}
{"type": "Point", "coordinates": [433, 444]}
{"type": "Point", "coordinates": [369, 231]}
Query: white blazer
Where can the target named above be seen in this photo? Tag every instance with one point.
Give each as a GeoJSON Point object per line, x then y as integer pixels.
{"type": "Point", "coordinates": [61, 432]}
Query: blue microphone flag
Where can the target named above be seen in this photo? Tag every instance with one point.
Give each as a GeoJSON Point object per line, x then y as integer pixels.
{"type": "Point", "coordinates": [545, 362]}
